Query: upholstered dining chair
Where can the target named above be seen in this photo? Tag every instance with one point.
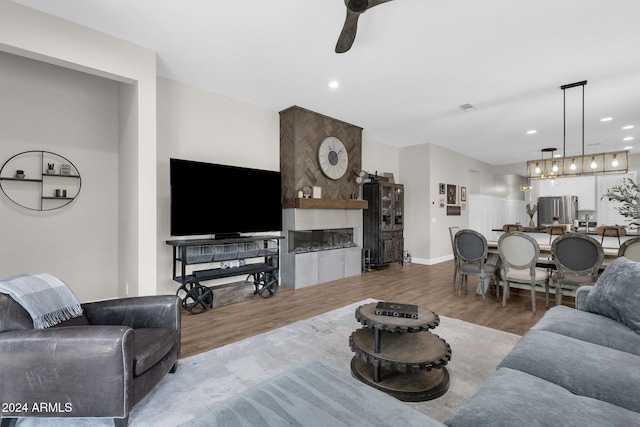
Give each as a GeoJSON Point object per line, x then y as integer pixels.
{"type": "Point", "coordinates": [472, 250]}
{"type": "Point", "coordinates": [630, 249]}
{"type": "Point", "coordinates": [452, 235]}
{"type": "Point", "coordinates": [577, 258]}
{"type": "Point", "coordinates": [519, 253]}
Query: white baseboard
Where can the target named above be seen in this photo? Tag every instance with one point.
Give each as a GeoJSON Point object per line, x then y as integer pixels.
{"type": "Point", "coordinates": [432, 261]}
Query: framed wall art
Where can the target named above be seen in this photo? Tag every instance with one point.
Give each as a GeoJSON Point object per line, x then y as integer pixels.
{"type": "Point", "coordinates": [463, 194]}
{"type": "Point", "coordinates": [453, 210]}
{"type": "Point", "coordinates": [452, 196]}
{"type": "Point", "coordinates": [441, 188]}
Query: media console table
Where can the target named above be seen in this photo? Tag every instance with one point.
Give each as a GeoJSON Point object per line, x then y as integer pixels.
{"type": "Point", "coordinates": [399, 355]}
{"type": "Point", "coordinates": [231, 255]}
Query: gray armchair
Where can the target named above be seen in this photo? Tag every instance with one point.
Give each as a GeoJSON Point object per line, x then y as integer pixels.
{"type": "Point", "coordinates": [97, 365]}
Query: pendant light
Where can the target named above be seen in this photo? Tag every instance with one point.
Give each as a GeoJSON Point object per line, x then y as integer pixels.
{"type": "Point", "coordinates": [590, 164]}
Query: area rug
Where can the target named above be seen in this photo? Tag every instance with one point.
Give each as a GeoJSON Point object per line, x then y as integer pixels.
{"type": "Point", "coordinates": [207, 378]}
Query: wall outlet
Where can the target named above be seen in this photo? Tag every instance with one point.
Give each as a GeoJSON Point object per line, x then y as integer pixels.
{"type": "Point", "coordinates": [126, 289]}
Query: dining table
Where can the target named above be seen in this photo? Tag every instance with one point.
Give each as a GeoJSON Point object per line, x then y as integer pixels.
{"type": "Point", "coordinates": [544, 261]}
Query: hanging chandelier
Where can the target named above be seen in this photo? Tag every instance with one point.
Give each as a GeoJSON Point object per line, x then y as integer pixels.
{"type": "Point", "coordinates": [579, 164]}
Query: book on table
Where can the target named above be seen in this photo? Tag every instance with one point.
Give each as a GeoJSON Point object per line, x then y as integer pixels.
{"type": "Point", "coordinates": [409, 311]}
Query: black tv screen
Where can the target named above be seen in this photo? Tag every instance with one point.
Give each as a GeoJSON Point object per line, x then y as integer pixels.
{"type": "Point", "coordinates": [223, 200]}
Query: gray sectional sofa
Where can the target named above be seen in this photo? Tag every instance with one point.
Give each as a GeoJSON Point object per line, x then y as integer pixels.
{"type": "Point", "coordinates": [575, 367]}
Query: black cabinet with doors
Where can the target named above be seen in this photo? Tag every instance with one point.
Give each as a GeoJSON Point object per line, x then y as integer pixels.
{"type": "Point", "coordinates": [383, 222]}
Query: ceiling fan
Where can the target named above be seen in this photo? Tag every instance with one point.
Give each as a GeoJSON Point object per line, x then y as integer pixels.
{"type": "Point", "coordinates": [354, 9]}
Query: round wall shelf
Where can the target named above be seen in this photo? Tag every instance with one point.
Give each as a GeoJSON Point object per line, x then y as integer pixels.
{"type": "Point", "coordinates": [40, 180]}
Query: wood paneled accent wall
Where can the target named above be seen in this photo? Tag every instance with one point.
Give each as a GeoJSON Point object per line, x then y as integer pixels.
{"type": "Point", "coordinates": [301, 133]}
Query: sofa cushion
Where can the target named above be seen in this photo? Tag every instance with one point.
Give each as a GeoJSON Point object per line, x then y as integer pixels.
{"type": "Point", "coordinates": [589, 327]}
{"type": "Point", "coordinates": [150, 346]}
{"type": "Point", "coordinates": [312, 394]}
{"type": "Point", "coordinates": [513, 398]}
{"type": "Point", "coordinates": [581, 367]}
{"type": "Point", "coordinates": [616, 294]}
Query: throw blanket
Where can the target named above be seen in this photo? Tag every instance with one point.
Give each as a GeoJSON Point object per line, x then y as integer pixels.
{"type": "Point", "coordinates": [47, 299]}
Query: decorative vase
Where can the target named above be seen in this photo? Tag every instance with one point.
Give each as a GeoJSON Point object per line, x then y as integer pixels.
{"type": "Point", "coordinates": [556, 222]}
{"type": "Point", "coordinates": [532, 224]}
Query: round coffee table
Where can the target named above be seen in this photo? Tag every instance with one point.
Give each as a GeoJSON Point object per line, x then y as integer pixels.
{"type": "Point", "coordinates": [399, 355]}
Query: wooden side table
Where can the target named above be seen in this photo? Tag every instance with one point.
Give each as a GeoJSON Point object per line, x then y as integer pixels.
{"type": "Point", "coordinates": [400, 356]}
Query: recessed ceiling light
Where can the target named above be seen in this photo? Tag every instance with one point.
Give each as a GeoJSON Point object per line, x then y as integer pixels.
{"type": "Point", "coordinates": [333, 84]}
{"type": "Point", "coordinates": [628, 138]}
{"type": "Point", "coordinates": [627, 127]}
{"type": "Point", "coordinates": [628, 147]}
{"type": "Point", "coordinates": [531, 132]}
{"type": "Point", "coordinates": [606, 119]}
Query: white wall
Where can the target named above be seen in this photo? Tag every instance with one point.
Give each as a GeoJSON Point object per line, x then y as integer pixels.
{"type": "Point", "coordinates": [423, 168]}
{"type": "Point", "coordinates": [46, 107]}
{"type": "Point", "coordinates": [39, 36]}
{"type": "Point", "coordinates": [381, 158]}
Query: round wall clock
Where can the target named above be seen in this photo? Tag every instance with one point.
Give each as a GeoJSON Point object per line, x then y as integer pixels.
{"type": "Point", "coordinates": [333, 157]}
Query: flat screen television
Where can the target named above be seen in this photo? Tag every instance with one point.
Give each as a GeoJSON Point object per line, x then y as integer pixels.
{"type": "Point", "coordinates": [208, 198]}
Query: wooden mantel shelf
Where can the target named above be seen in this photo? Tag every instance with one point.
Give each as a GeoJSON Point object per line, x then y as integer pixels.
{"type": "Point", "coordinates": [324, 204]}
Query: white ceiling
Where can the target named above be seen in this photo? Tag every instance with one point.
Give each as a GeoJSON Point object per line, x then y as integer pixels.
{"type": "Point", "coordinates": [413, 63]}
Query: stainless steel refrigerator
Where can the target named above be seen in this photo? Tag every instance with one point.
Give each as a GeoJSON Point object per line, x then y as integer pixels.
{"type": "Point", "coordinates": [565, 207]}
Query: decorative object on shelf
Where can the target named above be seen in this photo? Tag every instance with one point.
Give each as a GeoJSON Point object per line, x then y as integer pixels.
{"type": "Point", "coordinates": [65, 169]}
{"type": "Point", "coordinates": [306, 192]}
{"type": "Point", "coordinates": [333, 157]}
{"type": "Point", "coordinates": [360, 177]}
{"type": "Point", "coordinates": [316, 192]}
{"type": "Point", "coordinates": [556, 220]}
{"type": "Point", "coordinates": [40, 165]}
{"type": "Point", "coordinates": [582, 164]}
{"type": "Point", "coordinates": [628, 195]}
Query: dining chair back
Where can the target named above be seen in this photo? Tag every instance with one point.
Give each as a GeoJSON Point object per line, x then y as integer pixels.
{"type": "Point", "coordinates": [472, 250]}
{"type": "Point", "coordinates": [577, 258]}
{"type": "Point", "coordinates": [452, 235]}
{"type": "Point", "coordinates": [519, 254]}
{"type": "Point", "coordinates": [630, 249]}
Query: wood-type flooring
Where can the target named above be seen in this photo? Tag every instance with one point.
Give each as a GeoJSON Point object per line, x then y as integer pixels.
{"type": "Point", "coordinates": [424, 285]}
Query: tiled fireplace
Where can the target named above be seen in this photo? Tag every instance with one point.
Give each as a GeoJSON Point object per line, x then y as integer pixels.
{"type": "Point", "coordinates": [323, 236]}
{"type": "Point", "coordinates": [320, 245]}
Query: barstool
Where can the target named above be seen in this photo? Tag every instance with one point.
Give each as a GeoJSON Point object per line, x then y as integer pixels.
{"type": "Point", "coordinates": [605, 230]}
{"type": "Point", "coordinates": [555, 230]}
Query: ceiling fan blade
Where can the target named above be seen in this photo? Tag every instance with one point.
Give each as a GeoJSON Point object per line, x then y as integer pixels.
{"type": "Point", "coordinates": [373, 3]}
{"type": "Point", "coordinates": [354, 9]}
{"type": "Point", "coordinates": [348, 33]}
